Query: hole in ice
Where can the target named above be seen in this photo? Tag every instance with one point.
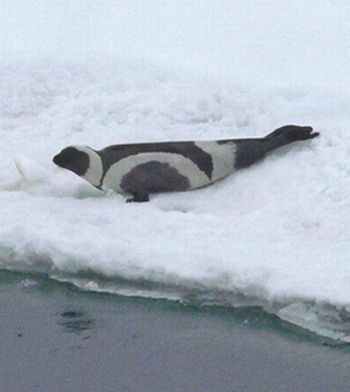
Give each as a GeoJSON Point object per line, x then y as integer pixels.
{"type": "Point", "coordinates": [75, 321]}
{"type": "Point", "coordinates": [71, 314]}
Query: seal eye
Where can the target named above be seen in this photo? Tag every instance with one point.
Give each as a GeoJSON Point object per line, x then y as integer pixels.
{"type": "Point", "coordinates": [72, 159]}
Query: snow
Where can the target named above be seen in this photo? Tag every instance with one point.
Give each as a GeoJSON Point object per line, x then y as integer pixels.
{"type": "Point", "coordinates": [274, 42]}
{"type": "Point", "coordinates": [115, 72]}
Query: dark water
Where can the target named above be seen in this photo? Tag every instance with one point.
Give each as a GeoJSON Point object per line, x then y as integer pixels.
{"type": "Point", "coordinates": [54, 337]}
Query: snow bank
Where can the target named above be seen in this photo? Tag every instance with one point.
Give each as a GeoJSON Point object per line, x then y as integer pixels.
{"type": "Point", "coordinates": [277, 231]}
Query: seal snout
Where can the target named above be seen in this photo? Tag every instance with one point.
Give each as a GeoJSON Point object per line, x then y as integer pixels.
{"type": "Point", "coordinates": [57, 160]}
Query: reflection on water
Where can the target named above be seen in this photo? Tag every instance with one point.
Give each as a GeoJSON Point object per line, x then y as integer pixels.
{"type": "Point", "coordinates": [76, 321]}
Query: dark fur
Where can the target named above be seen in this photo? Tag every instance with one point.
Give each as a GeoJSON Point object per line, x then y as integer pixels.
{"type": "Point", "coordinates": [152, 177]}
{"type": "Point", "coordinates": [252, 150]}
{"type": "Point", "coordinates": [73, 160]}
{"type": "Point", "coordinates": [113, 154]}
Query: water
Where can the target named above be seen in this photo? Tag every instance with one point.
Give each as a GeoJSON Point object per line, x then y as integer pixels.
{"type": "Point", "coordinates": [64, 338]}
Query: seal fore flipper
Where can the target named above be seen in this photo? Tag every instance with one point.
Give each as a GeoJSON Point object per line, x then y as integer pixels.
{"type": "Point", "coordinates": [138, 197]}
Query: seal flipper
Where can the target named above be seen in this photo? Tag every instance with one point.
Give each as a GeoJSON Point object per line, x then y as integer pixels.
{"type": "Point", "coordinates": [138, 197]}
{"type": "Point", "coordinates": [250, 151]}
{"type": "Point", "coordinates": [286, 135]}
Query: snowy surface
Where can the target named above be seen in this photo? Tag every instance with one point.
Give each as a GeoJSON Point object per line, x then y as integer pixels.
{"type": "Point", "coordinates": [277, 232]}
{"type": "Point", "coordinates": [270, 42]}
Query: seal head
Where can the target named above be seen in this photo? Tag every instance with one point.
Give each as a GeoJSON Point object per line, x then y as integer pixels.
{"type": "Point", "coordinates": [72, 159]}
{"type": "Point", "coordinates": [83, 161]}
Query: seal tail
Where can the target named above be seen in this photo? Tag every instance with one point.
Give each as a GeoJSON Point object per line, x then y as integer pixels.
{"type": "Point", "coordinates": [287, 134]}
{"type": "Point", "coordinates": [250, 151]}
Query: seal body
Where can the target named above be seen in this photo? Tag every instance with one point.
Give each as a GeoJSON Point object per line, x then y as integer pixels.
{"type": "Point", "coordinates": [144, 168]}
